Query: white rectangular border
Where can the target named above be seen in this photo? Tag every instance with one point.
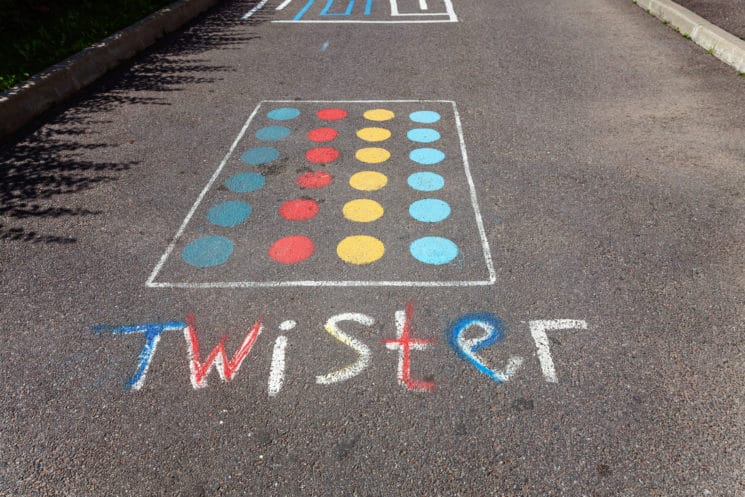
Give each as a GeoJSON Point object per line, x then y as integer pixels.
{"type": "Point", "coordinates": [151, 283]}
{"type": "Point", "coordinates": [450, 13]}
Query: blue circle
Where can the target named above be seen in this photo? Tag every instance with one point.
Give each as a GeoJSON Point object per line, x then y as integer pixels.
{"type": "Point", "coordinates": [429, 210]}
{"type": "Point", "coordinates": [245, 182]}
{"type": "Point", "coordinates": [433, 250]}
{"type": "Point", "coordinates": [208, 251]}
{"type": "Point", "coordinates": [426, 181]}
{"type": "Point", "coordinates": [427, 156]}
{"type": "Point", "coordinates": [424, 116]}
{"type": "Point", "coordinates": [273, 133]}
{"type": "Point", "coordinates": [283, 114]}
{"type": "Point", "coordinates": [423, 135]}
{"type": "Point", "coordinates": [229, 214]}
{"type": "Point", "coordinates": [260, 155]}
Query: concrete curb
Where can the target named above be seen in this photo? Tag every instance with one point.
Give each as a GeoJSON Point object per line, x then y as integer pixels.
{"type": "Point", "coordinates": [22, 103]}
{"type": "Point", "coordinates": [726, 47]}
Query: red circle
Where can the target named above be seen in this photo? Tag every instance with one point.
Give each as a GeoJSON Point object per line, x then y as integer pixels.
{"type": "Point", "coordinates": [331, 114]}
{"type": "Point", "coordinates": [292, 249]}
{"type": "Point", "coordinates": [314, 179]}
{"type": "Point", "coordinates": [322, 155]}
{"type": "Point", "coordinates": [299, 209]}
{"type": "Point", "coordinates": [322, 134]}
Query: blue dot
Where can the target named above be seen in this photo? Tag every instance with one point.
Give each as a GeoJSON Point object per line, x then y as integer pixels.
{"type": "Point", "coordinates": [427, 156]}
{"type": "Point", "coordinates": [208, 251]}
{"type": "Point", "coordinates": [283, 114]}
{"type": "Point", "coordinates": [429, 210]}
{"type": "Point", "coordinates": [423, 135]}
{"type": "Point", "coordinates": [424, 116]}
{"type": "Point", "coordinates": [433, 250]}
{"type": "Point", "coordinates": [273, 133]}
{"type": "Point", "coordinates": [229, 214]}
{"type": "Point", "coordinates": [260, 155]}
{"type": "Point", "coordinates": [426, 181]}
{"type": "Point", "coordinates": [245, 182]}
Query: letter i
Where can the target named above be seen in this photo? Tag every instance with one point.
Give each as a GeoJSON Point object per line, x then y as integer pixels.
{"type": "Point", "coordinates": [277, 371]}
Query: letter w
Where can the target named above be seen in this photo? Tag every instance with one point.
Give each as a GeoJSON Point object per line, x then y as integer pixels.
{"type": "Point", "coordinates": [226, 368]}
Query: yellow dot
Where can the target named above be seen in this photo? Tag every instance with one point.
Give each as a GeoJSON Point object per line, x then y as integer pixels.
{"type": "Point", "coordinates": [373, 134]}
{"type": "Point", "coordinates": [368, 181]}
{"type": "Point", "coordinates": [362, 210]}
{"type": "Point", "coordinates": [379, 115]}
{"type": "Point", "coordinates": [360, 249]}
{"type": "Point", "coordinates": [372, 155]}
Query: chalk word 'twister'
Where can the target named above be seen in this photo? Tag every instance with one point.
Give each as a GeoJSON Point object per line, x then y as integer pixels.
{"type": "Point", "coordinates": [492, 331]}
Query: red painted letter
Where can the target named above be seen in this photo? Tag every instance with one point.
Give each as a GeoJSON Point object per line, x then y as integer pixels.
{"type": "Point", "coordinates": [405, 343]}
{"type": "Point", "coordinates": [226, 368]}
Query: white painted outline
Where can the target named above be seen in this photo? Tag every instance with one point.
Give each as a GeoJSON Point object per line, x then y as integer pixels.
{"type": "Point", "coordinates": [254, 10]}
{"type": "Point", "coordinates": [538, 329]}
{"type": "Point", "coordinates": [151, 283]}
{"type": "Point", "coordinates": [449, 12]}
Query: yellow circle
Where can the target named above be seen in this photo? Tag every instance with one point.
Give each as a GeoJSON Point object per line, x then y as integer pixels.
{"type": "Point", "coordinates": [362, 210]}
{"type": "Point", "coordinates": [368, 181]}
{"type": "Point", "coordinates": [379, 115]}
{"type": "Point", "coordinates": [372, 155]}
{"type": "Point", "coordinates": [373, 134]}
{"type": "Point", "coordinates": [360, 249]}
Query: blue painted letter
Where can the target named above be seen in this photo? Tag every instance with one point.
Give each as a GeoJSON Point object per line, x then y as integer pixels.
{"type": "Point", "coordinates": [466, 348]}
{"type": "Point", "coordinates": [152, 333]}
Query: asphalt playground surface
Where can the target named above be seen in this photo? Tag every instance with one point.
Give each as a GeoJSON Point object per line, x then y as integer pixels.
{"type": "Point", "coordinates": [593, 169]}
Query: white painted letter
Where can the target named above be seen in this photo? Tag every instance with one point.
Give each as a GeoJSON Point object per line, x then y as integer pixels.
{"type": "Point", "coordinates": [362, 350]}
{"type": "Point", "coordinates": [538, 331]}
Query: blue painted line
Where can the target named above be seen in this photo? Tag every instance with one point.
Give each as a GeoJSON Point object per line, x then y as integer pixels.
{"type": "Point", "coordinates": [304, 10]}
{"type": "Point", "coordinates": [368, 7]}
{"type": "Point", "coordinates": [346, 13]}
{"type": "Point", "coordinates": [152, 332]}
{"type": "Point", "coordinates": [494, 329]}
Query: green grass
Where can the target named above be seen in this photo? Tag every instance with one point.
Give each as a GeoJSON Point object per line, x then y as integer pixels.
{"type": "Point", "coordinates": [35, 34]}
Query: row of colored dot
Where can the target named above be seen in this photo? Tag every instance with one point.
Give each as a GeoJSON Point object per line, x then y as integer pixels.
{"type": "Point", "coordinates": [334, 114]}
{"type": "Point", "coordinates": [211, 251]}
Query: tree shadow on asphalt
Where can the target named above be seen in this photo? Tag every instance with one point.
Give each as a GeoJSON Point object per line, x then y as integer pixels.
{"type": "Point", "coordinates": [47, 160]}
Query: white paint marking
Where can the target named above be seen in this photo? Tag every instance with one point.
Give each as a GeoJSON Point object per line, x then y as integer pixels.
{"type": "Point", "coordinates": [279, 284]}
{"type": "Point", "coordinates": [201, 196]}
{"type": "Point", "coordinates": [287, 325]}
{"type": "Point", "coordinates": [474, 200]}
{"type": "Point", "coordinates": [538, 331]}
{"type": "Point", "coordinates": [277, 371]}
{"type": "Point", "coordinates": [350, 21]}
{"type": "Point", "coordinates": [254, 10]}
{"type": "Point", "coordinates": [363, 351]}
{"type": "Point", "coordinates": [284, 4]}
{"type": "Point", "coordinates": [423, 5]}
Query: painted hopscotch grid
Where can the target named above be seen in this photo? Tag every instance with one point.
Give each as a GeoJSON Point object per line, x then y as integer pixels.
{"type": "Point", "coordinates": [336, 193]}
{"type": "Point", "coordinates": [361, 11]}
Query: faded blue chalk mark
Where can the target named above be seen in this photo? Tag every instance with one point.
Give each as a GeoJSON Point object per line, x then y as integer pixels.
{"type": "Point", "coordinates": [429, 210]}
{"type": "Point", "coordinates": [466, 348]}
{"type": "Point", "coordinates": [325, 46]}
{"type": "Point", "coordinates": [245, 182]}
{"type": "Point", "coordinates": [260, 155]}
{"type": "Point", "coordinates": [433, 250]}
{"type": "Point", "coordinates": [152, 332]}
{"type": "Point", "coordinates": [423, 135]}
{"type": "Point", "coordinates": [273, 133]}
{"type": "Point", "coordinates": [229, 214]}
{"type": "Point", "coordinates": [427, 156]}
{"type": "Point", "coordinates": [426, 181]}
{"type": "Point", "coordinates": [284, 113]}
{"type": "Point", "coordinates": [208, 251]}
{"type": "Point", "coordinates": [424, 116]}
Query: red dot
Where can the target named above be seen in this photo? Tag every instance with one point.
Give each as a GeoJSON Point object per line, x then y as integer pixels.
{"type": "Point", "coordinates": [299, 209]}
{"type": "Point", "coordinates": [314, 179]}
{"type": "Point", "coordinates": [331, 114]}
{"type": "Point", "coordinates": [322, 155]}
{"type": "Point", "coordinates": [322, 134]}
{"type": "Point", "coordinates": [292, 249]}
